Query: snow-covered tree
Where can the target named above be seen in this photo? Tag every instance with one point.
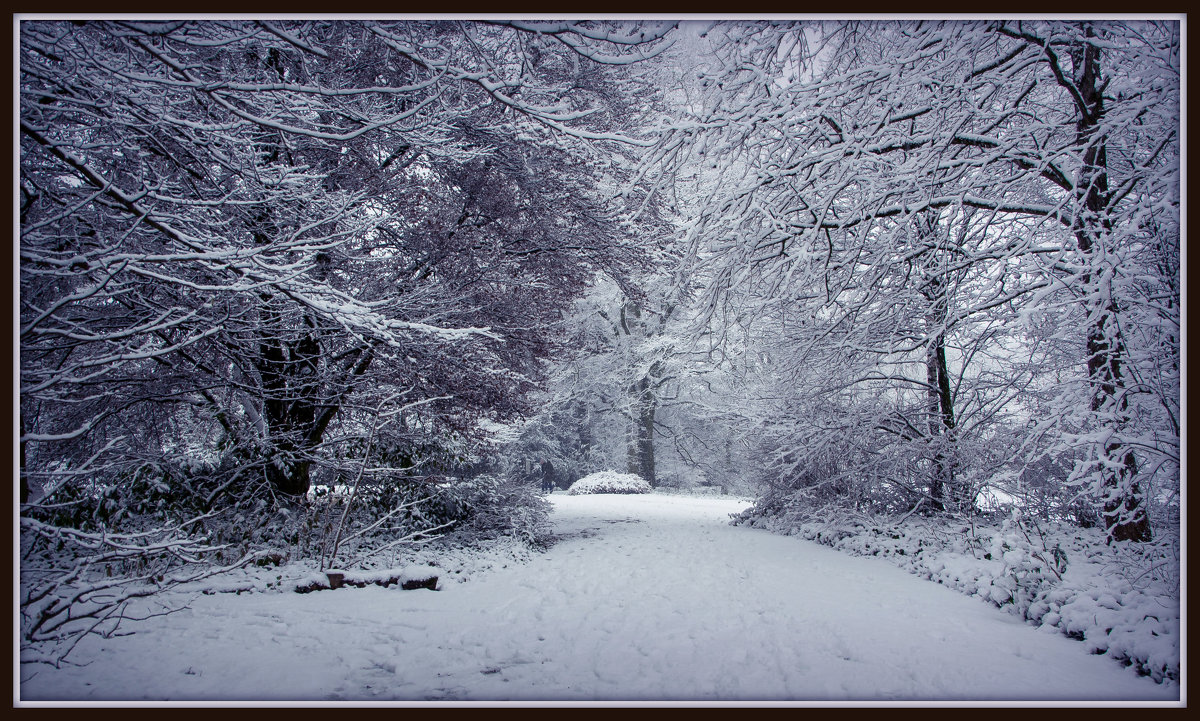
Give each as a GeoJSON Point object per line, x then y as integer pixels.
{"type": "Point", "coordinates": [914, 193]}
{"type": "Point", "coordinates": [259, 255]}
{"type": "Point", "coordinates": [255, 221]}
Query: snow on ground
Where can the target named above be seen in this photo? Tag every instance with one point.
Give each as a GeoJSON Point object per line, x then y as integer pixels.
{"type": "Point", "coordinates": [1121, 600]}
{"type": "Point", "coordinates": [644, 597]}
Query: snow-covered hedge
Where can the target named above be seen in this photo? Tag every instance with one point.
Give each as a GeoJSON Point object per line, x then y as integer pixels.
{"type": "Point", "coordinates": [609, 482]}
{"type": "Point", "coordinates": [1121, 600]}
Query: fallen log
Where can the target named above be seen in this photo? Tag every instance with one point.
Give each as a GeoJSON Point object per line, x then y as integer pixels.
{"type": "Point", "coordinates": [409, 579]}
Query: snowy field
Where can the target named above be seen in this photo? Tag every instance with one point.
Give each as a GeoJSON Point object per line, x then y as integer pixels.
{"type": "Point", "coordinates": [644, 598]}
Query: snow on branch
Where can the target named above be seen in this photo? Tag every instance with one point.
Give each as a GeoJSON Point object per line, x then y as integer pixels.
{"type": "Point", "coordinates": [61, 606]}
{"type": "Point", "coordinates": [565, 33]}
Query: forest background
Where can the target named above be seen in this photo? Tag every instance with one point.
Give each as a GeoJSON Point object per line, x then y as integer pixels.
{"type": "Point", "coordinates": [318, 290]}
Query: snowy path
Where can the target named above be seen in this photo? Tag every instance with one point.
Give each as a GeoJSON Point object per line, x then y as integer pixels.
{"type": "Point", "coordinates": [644, 598]}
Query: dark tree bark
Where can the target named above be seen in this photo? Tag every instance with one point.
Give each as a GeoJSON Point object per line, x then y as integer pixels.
{"type": "Point", "coordinates": [945, 490]}
{"type": "Point", "coordinates": [24, 478]}
{"type": "Point", "coordinates": [1124, 510]}
{"type": "Point", "coordinates": [641, 444]}
{"type": "Point", "coordinates": [942, 484]}
{"type": "Point", "coordinates": [643, 401]}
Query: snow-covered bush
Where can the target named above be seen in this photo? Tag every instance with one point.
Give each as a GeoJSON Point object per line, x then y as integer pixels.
{"type": "Point", "coordinates": [609, 482]}
{"type": "Point", "coordinates": [77, 580]}
{"type": "Point", "coordinates": [489, 507]}
{"type": "Point", "coordinates": [385, 519]}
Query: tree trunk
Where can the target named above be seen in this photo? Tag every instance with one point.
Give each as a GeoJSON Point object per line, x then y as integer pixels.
{"type": "Point", "coordinates": [643, 402]}
{"type": "Point", "coordinates": [646, 444]}
{"type": "Point", "coordinates": [24, 478]}
{"type": "Point", "coordinates": [291, 414]}
{"type": "Point", "coordinates": [641, 436]}
{"type": "Point", "coordinates": [943, 486]}
{"type": "Point", "coordinates": [941, 425]}
{"type": "Point", "coordinates": [1124, 510]}
{"type": "Point", "coordinates": [290, 384]}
